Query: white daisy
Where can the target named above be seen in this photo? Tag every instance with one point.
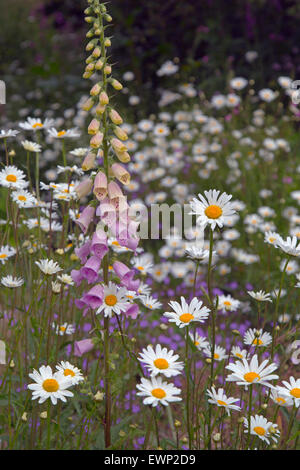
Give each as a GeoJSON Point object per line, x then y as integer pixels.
{"type": "Point", "coordinates": [220, 399]}
{"type": "Point", "coordinates": [214, 210]}
{"type": "Point", "coordinates": [70, 133]}
{"type": "Point", "coordinates": [186, 313]}
{"type": "Point", "coordinates": [49, 385]}
{"type": "Point", "coordinates": [6, 252]}
{"type": "Point", "coordinates": [161, 361]}
{"type": "Point", "coordinates": [199, 341]}
{"type": "Point", "coordinates": [228, 303]}
{"type": "Point", "coordinates": [64, 329]}
{"type": "Point", "coordinates": [219, 353]}
{"type": "Point", "coordinates": [262, 428]}
{"type": "Point", "coordinates": [261, 296]}
{"type": "Point", "coordinates": [157, 392]}
{"type": "Point", "coordinates": [31, 146]}
{"type": "Point", "coordinates": [114, 300]}
{"type": "Point", "coordinates": [244, 373]}
{"type": "Point", "coordinates": [11, 177]}
{"type": "Point", "coordinates": [70, 371]}
{"type": "Point", "coordinates": [291, 389]}
{"type": "Point", "coordinates": [48, 267]}
{"type": "Point", "coordinates": [33, 124]}
{"type": "Point", "coordinates": [24, 198]}
{"type": "Point", "coordinates": [255, 337]}
{"type": "Point", "coordinates": [10, 281]}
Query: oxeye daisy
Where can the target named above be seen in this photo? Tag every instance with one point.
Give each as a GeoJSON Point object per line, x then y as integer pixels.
{"type": "Point", "coordinates": [281, 399]}
{"type": "Point", "coordinates": [228, 303]}
{"type": "Point", "coordinates": [64, 329]}
{"type": "Point", "coordinates": [10, 281]}
{"type": "Point", "coordinates": [70, 133]}
{"type": "Point", "coordinates": [66, 279]}
{"type": "Point", "coordinates": [238, 353]}
{"type": "Point", "coordinates": [247, 373]}
{"type": "Point", "coordinates": [214, 210]}
{"type": "Point", "coordinates": [219, 353]}
{"type": "Point", "coordinates": [49, 385]}
{"type": "Point", "coordinates": [31, 146]}
{"type": "Point", "coordinates": [198, 253]}
{"type": "Point", "coordinates": [150, 302]}
{"type": "Point", "coordinates": [262, 428]}
{"type": "Point", "coordinates": [291, 389]}
{"type": "Point", "coordinates": [185, 313]}
{"type": "Point", "coordinates": [11, 177]}
{"type": "Point", "coordinates": [24, 199]}
{"type": "Point", "coordinates": [256, 338]}
{"type": "Point", "coordinates": [272, 238]}
{"type": "Point", "coordinates": [9, 133]}
{"type": "Point", "coordinates": [261, 296]}
{"type": "Point", "coordinates": [114, 300]}
{"type": "Point", "coordinates": [290, 246]}
{"type": "Point", "coordinates": [220, 399]}
{"type": "Point", "coordinates": [48, 266]}
{"type": "Point", "coordinates": [199, 341]}
{"type": "Point", "coordinates": [32, 124]}
{"type": "Point", "coordinates": [143, 264]}
{"type": "Point", "coordinates": [161, 361]}
{"type": "Point", "coordinates": [70, 371]}
{"type": "Point", "coordinates": [6, 252]}
{"type": "Point", "coordinates": [157, 392]}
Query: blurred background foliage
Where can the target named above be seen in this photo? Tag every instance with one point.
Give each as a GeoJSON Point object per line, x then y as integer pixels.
{"type": "Point", "coordinates": [41, 40]}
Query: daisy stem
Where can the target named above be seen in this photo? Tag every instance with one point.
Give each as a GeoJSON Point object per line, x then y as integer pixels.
{"type": "Point", "coordinates": [48, 423]}
{"type": "Point", "coordinates": [187, 368]}
{"type": "Point", "coordinates": [213, 327]}
{"type": "Point", "coordinates": [291, 422]}
{"type": "Point", "coordinates": [276, 308]}
{"type": "Point", "coordinates": [249, 414]}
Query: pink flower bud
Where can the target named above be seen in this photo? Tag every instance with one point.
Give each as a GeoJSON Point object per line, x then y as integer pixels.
{"type": "Point", "coordinates": [84, 187]}
{"type": "Point", "coordinates": [100, 186]}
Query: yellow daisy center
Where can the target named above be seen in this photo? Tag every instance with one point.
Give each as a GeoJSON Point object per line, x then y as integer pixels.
{"type": "Point", "coordinates": [257, 341]}
{"type": "Point", "coordinates": [22, 198]}
{"type": "Point", "coordinates": [111, 300]}
{"type": "Point", "coordinates": [158, 393]}
{"type": "Point", "coordinates": [3, 255]}
{"type": "Point", "coordinates": [222, 403]}
{"type": "Point", "coordinates": [216, 356]}
{"type": "Point", "coordinates": [280, 400]}
{"type": "Point", "coordinates": [213, 212]}
{"type": "Point", "coordinates": [37, 124]}
{"type": "Point", "coordinates": [140, 268]}
{"type": "Point", "coordinates": [69, 372]}
{"type": "Point", "coordinates": [259, 430]}
{"type": "Point", "coordinates": [11, 178]}
{"type": "Point", "coordinates": [250, 376]}
{"type": "Point", "coordinates": [186, 317]}
{"type": "Point", "coordinates": [161, 363]}
{"type": "Point", "coordinates": [239, 355]}
{"type": "Point", "coordinates": [50, 385]}
{"type": "Point", "coordinates": [227, 303]}
{"type": "Point", "coordinates": [62, 328]}
{"type": "Point", "coordinates": [295, 392]}
{"type": "Point", "coordinates": [61, 133]}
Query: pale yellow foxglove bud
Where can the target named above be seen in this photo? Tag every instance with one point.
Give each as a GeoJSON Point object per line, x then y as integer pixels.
{"type": "Point", "coordinates": [103, 98]}
{"type": "Point", "coordinates": [115, 117]}
{"type": "Point", "coordinates": [96, 140]}
{"type": "Point", "coordinates": [116, 84]}
{"type": "Point", "coordinates": [95, 90]}
{"type": "Point", "coordinates": [118, 146]}
{"type": "Point", "coordinates": [120, 133]}
{"type": "Point", "coordinates": [94, 127]}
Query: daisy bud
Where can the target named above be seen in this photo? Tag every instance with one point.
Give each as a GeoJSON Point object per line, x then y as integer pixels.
{"type": "Point", "coordinates": [184, 440]}
{"type": "Point", "coordinates": [95, 90]}
{"type": "Point", "coordinates": [100, 186]}
{"type": "Point", "coordinates": [177, 423]}
{"type": "Point", "coordinates": [73, 257]}
{"type": "Point", "coordinates": [264, 406]}
{"type": "Point", "coordinates": [208, 360]}
{"type": "Point", "coordinates": [117, 145]}
{"type": "Point", "coordinates": [89, 161]}
{"type": "Point", "coordinates": [24, 416]}
{"type": "Point", "coordinates": [236, 332]}
{"type": "Point", "coordinates": [163, 327]}
{"type": "Point", "coordinates": [122, 433]}
{"type": "Point", "coordinates": [43, 415]}
{"type": "Point", "coordinates": [96, 52]}
{"type": "Point", "coordinates": [115, 117]}
{"type": "Point", "coordinates": [116, 84]}
{"type": "Point", "coordinates": [94, 127]}
{"type": "Point", "coordinates": [12, 364]}
{"type": "Point", "coordinates": [103, 98]}
{"type": "Point", "coordinates": [99, 64]}
{"type": "Point", "coordinates": [216, 437]}
{"type": "Point", "coordinates": [97, 140]}
{"type": "Point", "coordinates": [99, 396]}
{"type": "Point", "coordinates": [100, 110]}
{"type": "Point", "coordinates": [120, 173]}
{"type": "Point", "coordinates": [87, 106]}
{"type": "Point", "coordinates": [84, 188]}
{"type": "Point", "coordinates": [120, 133]}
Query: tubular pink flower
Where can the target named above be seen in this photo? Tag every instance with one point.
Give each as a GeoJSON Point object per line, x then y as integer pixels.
{"type": "Point", "coordinates": [85, 218]}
